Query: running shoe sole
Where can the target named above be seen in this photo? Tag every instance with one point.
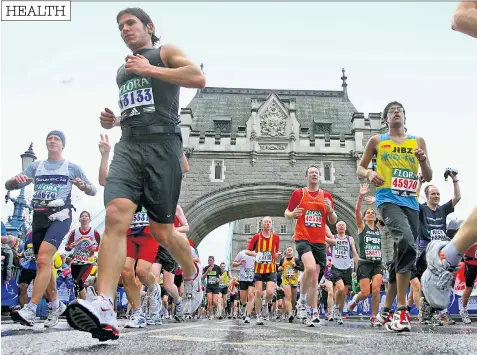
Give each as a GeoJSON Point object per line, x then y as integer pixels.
{"type": "Point", "coordinates": [17, 318]}
{"type": "Point", "coordinates": [82, 319]}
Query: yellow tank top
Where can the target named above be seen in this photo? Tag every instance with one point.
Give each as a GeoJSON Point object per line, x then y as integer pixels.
{"type": "Point", "coordinates": [398, 166]}
{"type": "Point", "coordinates": [225, 279]}
{"type": "Point", "coordinates": [289, 273]}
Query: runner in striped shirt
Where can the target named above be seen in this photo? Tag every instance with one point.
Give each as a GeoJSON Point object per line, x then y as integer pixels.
{"type": "Point", "coordinates": [264, 247]}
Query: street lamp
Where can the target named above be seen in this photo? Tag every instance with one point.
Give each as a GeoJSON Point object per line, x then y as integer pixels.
{"type": "Point", "coordinates": [16, 222]}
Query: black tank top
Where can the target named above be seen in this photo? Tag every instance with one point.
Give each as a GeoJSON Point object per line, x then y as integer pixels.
{"type": "Point", "coordinates": [145, 101]}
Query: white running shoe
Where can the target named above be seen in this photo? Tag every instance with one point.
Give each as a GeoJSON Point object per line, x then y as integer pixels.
{"type": "Point", "coordinates": [301, 310]}
{"type": "Point", "coordinates": [96, 317]}
{"type": "Point", "coordinates": [54, 314]}
{"type": "Point", "coordinates": [137, 320]}
{"type": "Point", "coordinates": [25, 316]}
{"type": "Point", "coordinates": [155, 302]}
{"type": "Point", "coordinates": [193, 294]}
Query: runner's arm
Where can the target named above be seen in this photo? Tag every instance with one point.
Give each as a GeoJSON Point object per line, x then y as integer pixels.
{"type": "Point", "coordinates": [357, 214]}
{"type": "Point", "coordinates": [69, 244]}
{"type": "Point", "coordinates": [368, 154]}
{"type": "Point", "coordinates": [185, 162]}
{"type": "Point", "coordinates": [11, 184]}
{"type": "Point", "coordinates": [89, 189]}
{"type": "Point", "coordinates": [180, 70]}
{"type": "Point", "coordinates": [465, 18]}
{"type": "Point", "coordinates": [184, 228]}
{"type": "Point", "coordinates": [237, 261]}
{"type": "Point", "coordinates": [457, 197]}
{"type": "Point", "coordinates": [355, 253]}
{"type": "Point", "coordinates": [329, 239]}
{"type": "Point", "coordinates": [295, 199]}
{"type": "Point", "coordinates": [251, 247]}
{"type": "Point", "coordinates": [331, 217]}
{"type": "Point", "coordinates": [424, 164]}
{"type": "Point", "coordinates": [97, 237]}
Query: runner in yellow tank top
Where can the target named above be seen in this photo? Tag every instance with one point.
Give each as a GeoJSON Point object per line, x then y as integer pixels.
{"type": "Point", "coordinates": [398, 159]}
{"type": "Point", "coordinates": [289, 267]}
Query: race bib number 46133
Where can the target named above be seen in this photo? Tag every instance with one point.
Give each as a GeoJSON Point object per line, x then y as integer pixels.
{"type": "Point", "coordinates": [134, 93]}
{"type": "Point", "coordinates": [404, 182]}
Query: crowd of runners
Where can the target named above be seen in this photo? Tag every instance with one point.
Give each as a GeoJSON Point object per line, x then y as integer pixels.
{"type": "Point", "coordinates": [145, 247]}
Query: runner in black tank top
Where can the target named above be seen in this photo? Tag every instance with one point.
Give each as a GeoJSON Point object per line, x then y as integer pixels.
{"type": "Point", "coordinates": [370, 257]}
{"type": "Point", "coordinates": [149, 84]}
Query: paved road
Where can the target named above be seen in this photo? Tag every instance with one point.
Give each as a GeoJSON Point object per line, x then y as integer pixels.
{"type": "Point", "coordinates": [234, 337]}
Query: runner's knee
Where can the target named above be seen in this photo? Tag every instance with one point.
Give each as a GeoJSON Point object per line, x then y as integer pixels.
{"type": "Point", "coordinates": [118, 217]}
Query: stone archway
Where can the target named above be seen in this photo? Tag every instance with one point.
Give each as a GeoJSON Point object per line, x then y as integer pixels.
{"type": "Point", "coordinates": [245, 201]}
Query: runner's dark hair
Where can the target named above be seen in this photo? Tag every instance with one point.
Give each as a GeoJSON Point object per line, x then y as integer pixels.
{"type": "Point", "coordinates": [143, 17]}
{"type": "Point", "coordinates": [89, 215]}
{"type": "Point", "coordinates": [311, 166]}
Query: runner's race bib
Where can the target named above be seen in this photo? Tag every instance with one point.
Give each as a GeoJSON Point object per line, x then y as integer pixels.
{"type": "Point", "coordinates": [373, 254]}
{"type": "Point", "coordinates": [313, 219]}
{"type": "Point", "coordinates": [438, 234]}
{"type": "Point", "coordinates": [290, 273]}
{"type": "Point", "coordinates": [341, 249]}
{"type": "Point", "coordinates": [140, 219]}
{"type": "Point", "coordinates": [249, 273]}
{"type": "Point", "coordinates": [47, 187]}
{"type": "Point", "coordinates": [212, 280]}
{"type": "Point", "coordinates": [404, 182]}
{"type": "Point", "coordinates": [135, 92]}
{"type": "Point", "coordinates": [267, 257]}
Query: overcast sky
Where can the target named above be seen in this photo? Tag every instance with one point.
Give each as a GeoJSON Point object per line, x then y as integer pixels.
{"type": "Point", "coordinates": [60, 75]}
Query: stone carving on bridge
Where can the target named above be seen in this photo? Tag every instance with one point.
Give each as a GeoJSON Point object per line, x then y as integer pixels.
{"type": "Point", "coordinates": [273, 121]}
{"type": "Point", "coordinates": [188, 152]}
{"type": "Point", "coordinates": [272, 146]}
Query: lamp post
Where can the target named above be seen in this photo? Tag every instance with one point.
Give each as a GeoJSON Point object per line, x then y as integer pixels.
{"type": "Point", "coordinates": [16, 222]}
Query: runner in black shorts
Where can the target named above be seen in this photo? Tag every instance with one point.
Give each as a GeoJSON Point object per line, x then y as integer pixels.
{"type": "Point", "coordinates": [147, 166]}
{"type": "Point", "coordinates": [370, 269]}
{"type": "Point", "coordinates": [212, 273]}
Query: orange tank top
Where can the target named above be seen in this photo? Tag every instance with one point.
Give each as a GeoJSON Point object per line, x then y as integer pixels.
{"type": "Point", "coordinates": [311, 225]}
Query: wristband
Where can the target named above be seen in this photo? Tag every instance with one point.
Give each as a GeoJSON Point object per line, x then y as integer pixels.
{"type": "Point", "coordinates": [422, 159]}
{"type": "Point", "coordinates": [454, 181]}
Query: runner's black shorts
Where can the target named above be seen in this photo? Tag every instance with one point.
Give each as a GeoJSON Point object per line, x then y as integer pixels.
{"type": "Point", "coordinates": [178, 280]}
{"type": "Point", "coordinates": [367, 269]}
{"type": "Point", "coordinates": [223, 290]}
{"type": "Point", "coordinates": [244, 285]}
{"type": "Point", "coordinates": [339, 274]}
{"type": "Point", "coordinates": [26, 276]}
{"type": "Point", "coordinates": [318, 250]}
{"type": "Point", "coordinates": [270, 277]}
{"type": "Point", "coordinates": [470, 274]}
{"type": "Point", "coordinates": [212, 289]}
{"type": "Point", "coordinates": [164, 258]}
{"type": "Point", "coordinates": [392, 273]}
{"type": "Point", "coordinates": [147, 170]}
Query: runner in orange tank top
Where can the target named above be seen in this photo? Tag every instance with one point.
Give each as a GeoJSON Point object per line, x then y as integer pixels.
{"type": "Point", "coordinates": [264, 246]}
{"type": "Point", "coordinates": [312, 208]}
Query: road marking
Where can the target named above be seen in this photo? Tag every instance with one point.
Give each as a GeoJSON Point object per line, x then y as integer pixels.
{"type": "Point", "coordinates": [338, 335]}
{"type": "Point", "coordinates": [274, 343]}
{"type": "Point", "coordinates": [178, 326]}
{"type": "Point", "coordinates": [179, 337]}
